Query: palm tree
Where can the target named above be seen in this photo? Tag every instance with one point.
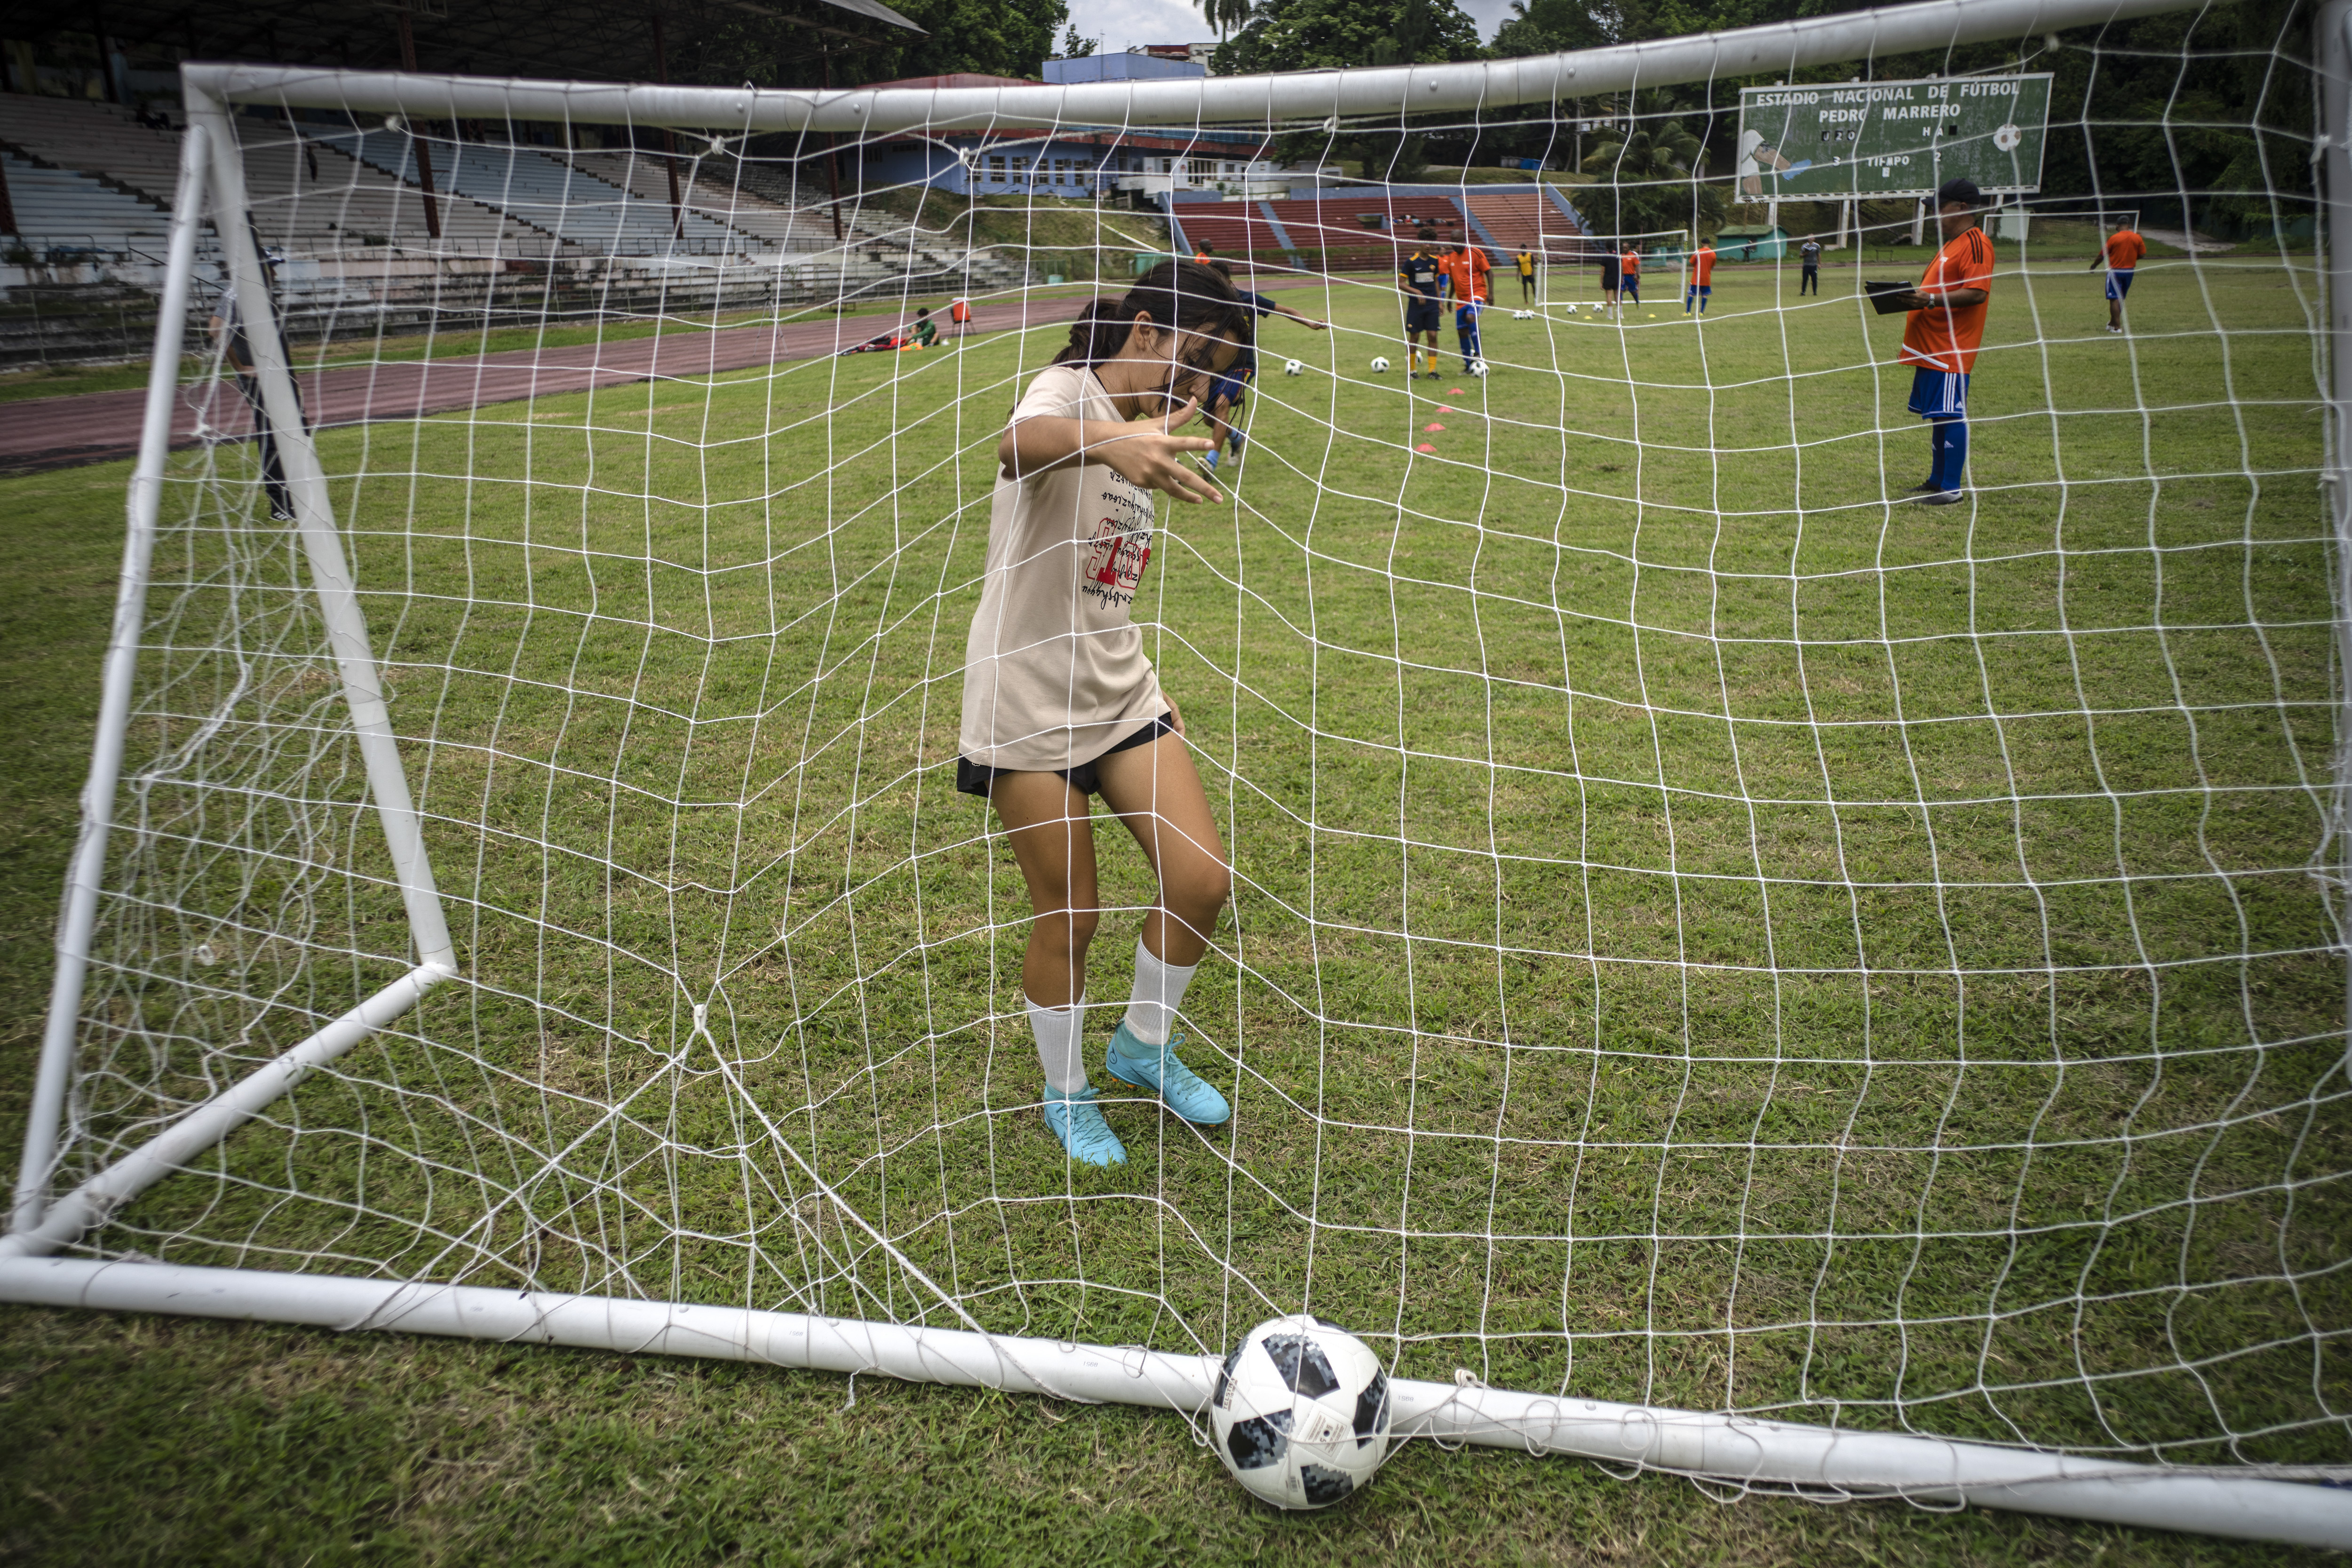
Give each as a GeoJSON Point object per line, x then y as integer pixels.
{"type": "Point", "coordinates": [1227, 16]}
{"type": "Point", "coordinates": [1646, 183]}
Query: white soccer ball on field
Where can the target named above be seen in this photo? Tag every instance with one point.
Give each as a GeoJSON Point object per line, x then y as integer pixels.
{"type": "Point", "coordinates": [1478, 368]}
{"type": "Point", "coordinates": [1293, 367]}
{"type": "Point", "coordinates": [1523, 315]}
{"type": "Point", "coordinates": [1301, 1413]}
{"type": "Point", "coordinates": [1571, 309]}
{"type": "Point", "coordinates": [1379, 366]}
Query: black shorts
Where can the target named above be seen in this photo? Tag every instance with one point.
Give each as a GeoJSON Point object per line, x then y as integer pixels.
{"type": "Point", "coordinates": [1423, 315]}
{"type": "Point", "coordinates": [973, 779]}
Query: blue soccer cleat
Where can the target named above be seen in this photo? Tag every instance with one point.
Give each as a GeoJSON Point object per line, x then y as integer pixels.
{"type": "Point", "coordinates": [1155, 1067]}
{"type": "Point", "coordinates": [1079, 1122]}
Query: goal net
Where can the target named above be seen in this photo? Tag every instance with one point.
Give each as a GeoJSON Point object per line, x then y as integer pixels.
{"type": "Point", "coordinates": [1722, 954]}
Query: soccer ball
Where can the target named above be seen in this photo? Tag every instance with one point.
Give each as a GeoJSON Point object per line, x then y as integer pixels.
{"type": "Point", "coordinates": [1379, 366]}
{"type": "Point", "coordinates": [1571, 309]}
{"type": "Point", "coordinates": [1523, 315]}
{"type": "Point", "coordinates": [1479, 368]}
{"type": "Point", "coordinates": [1292, 367]}
{"type": "Point", "coordinates": [1301, 1413]}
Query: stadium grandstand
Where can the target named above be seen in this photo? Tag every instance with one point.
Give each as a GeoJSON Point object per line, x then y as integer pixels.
{"type": "Point", "coordinates": [375, 223]}
{"type": "Point", "coordinates": [1342, 229]}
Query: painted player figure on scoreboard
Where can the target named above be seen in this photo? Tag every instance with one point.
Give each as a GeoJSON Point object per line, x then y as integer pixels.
{"type": "Point", "coordinates": [1941, 337]}
{"type": "Point", "coordinates": [2120, 255]}
{"type": "Point", "coordinates": [1755, 159]}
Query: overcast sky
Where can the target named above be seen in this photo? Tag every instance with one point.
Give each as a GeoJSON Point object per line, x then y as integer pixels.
{"type": "Point", "coordinates": [1121, 23]}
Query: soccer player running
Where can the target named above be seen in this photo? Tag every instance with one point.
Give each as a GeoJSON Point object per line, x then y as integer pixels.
{"type": "Point", "coordinates": [1059, 701]}
{"type": "Point", "coordinates": [1942, 334]}
{"type": "Point", "coordinates": [1230, 390]}
{"type": "Point", "coordinates": [2120, 255]}
{"type": "Point", "coordinates": [1422, 280]}
{"type": "Point", "coordinates": [1471, 277]}
{"type": "Point", "coordinates": [1526, 262]}
{"type": "Point", "coordinates": [1809, 280]}
{"type": "Point", "coordinates": [1629, 267]}
{"type": "Point", "coordinates": [1701, 278]}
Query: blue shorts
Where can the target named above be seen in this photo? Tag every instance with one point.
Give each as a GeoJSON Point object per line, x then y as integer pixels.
{"type": "Point", "coordinates": [1465, 318]}
{"type": "Point", "coordinates": [1227, 389]}
{"type": "Point", "coordinates": [2119, 283]}
{"type": "Point", "coordinates": [1939, 393]}
{"type": "Point", "coordinates": [1423, 315]}
{"type": "Point", "coordinates": [1633, 290]}
{"type": "Point", "coordinates": [1699, 290]}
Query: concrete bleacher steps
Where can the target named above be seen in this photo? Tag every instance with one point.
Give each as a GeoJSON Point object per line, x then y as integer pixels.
{"type": "Point", "coordinates": [1527, 220]}
{"type": "Point", "coordinates": [64, 211]}
{"type": "Point", "coordinates": [546, 192]}
{"type": "Point", "coordinates": [711, 187]}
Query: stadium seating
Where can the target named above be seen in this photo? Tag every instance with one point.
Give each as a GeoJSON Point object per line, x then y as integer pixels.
{"type": "Point", "coordinates": [710, 187]}
{"type": "Point", "coordinates": [65, 215]}
{"type": "Point", "coordinates": [546, 192]}
{"type": "Point", "coordinates": [1526, 220]}
{"type": "Point", "coordinates": [307, 196]}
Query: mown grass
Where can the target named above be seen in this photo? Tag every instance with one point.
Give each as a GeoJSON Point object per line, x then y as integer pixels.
{"type": "Point", "coordinates": [1703, 935]}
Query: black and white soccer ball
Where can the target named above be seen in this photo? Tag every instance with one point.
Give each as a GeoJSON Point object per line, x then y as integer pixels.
{"type": "Point", "coordinates": [1293, 367]}
{"type": "Point", "coordinates": [1478, 367]}
{"type": "Point", "coordinates": [1301, 1413]}
{"type": "Point", "coordinates": [1571, 309]}
{"type": "Point", "coordinates": [1380, 364]}
{"type": "Point", "coordinates": [1523, 315]}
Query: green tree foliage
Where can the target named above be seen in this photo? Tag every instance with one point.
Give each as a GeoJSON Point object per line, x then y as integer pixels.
{"type": "Point", "coordinates": [1315, 35]}
{"type": "Point", "coordinates": [989, 37]}
{"type": "Point", "coordinates": [1075, 47]}
{"type": "Point", "coordinates": [1646, 182]}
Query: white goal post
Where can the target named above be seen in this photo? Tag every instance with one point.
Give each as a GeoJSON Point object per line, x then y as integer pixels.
{"type": "Point", "coordinates": [920, 1326]}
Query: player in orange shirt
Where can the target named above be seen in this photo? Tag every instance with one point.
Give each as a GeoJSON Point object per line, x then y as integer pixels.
{"type": "Point", "coordinates": [1941, 337]}
{"type": "Point", "coordinates": [1469, 274]}
{"type": "Point", "coordinates": [1702, 278]}
{"type": "Point", "coordinates": [1629, 270]}
{"type": "Point", "coordinates": [2119, 255]}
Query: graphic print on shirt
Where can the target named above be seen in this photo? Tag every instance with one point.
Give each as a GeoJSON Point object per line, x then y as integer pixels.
{"type": "Point", "coordinates": [1118, 552]}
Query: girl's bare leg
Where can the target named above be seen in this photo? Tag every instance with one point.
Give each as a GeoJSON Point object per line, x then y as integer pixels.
{"type": "Point", "coordinates": [1053, 838]}
{"type": "Point", "coordinates": [1157, 793]}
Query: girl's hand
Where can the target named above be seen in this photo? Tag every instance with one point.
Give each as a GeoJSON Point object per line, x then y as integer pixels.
{"type": "Point", "coordinates": [1154, 456]}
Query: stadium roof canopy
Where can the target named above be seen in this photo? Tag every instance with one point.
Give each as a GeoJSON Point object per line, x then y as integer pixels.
{"type": "Point", "coordinates": [598, 40]}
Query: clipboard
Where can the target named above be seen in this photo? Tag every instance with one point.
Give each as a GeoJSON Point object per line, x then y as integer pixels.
{"type": "Point", "coordinates": [1887, 298]}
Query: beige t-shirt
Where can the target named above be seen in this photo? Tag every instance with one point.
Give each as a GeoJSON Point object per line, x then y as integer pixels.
{"type": "Point", "coordinates": [1053, 673]}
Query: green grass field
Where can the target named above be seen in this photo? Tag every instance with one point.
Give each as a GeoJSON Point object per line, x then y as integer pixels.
{"type": "Point", "coordinates": [1703, 935]}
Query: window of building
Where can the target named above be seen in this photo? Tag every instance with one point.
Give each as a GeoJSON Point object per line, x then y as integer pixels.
{"type": "Point", "coordinates": [996, 168]}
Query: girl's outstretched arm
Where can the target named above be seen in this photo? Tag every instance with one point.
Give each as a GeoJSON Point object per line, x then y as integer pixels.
{"type": "Point", "coordinates": [1146, 452]}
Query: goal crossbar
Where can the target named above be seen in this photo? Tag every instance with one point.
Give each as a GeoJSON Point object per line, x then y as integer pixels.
{"type": "Point", "coordinates": [1291, 97]}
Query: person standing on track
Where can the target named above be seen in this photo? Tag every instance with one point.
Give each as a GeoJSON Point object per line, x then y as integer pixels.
{"type": "Point", "coordinates": [1701, 278]}
{"type": "Point", "coordinates": [1941, 338]}
{"type": "Point", "coordinates": [1809, 280]}
{"type": "Point", "coordinates": [2120, 254]}
{"type": "Point", "coordinates": [1526, 262]}
{"type": "Point", "coordinates": [1421, 281]}
{"type": "Point", "coordinates": [228, 331]}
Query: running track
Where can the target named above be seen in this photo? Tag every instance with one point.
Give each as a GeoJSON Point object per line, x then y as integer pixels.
{"type": "Point", "coordinates": [101, 427]}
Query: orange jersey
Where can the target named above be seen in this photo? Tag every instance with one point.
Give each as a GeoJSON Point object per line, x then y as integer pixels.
{"type": "Point", "coordinates": [1944, 337]}
{"type": "Point", "coordinates": [1703, 266]}
{"type": "Point", "coordinates": [1630, 264]}
{"type": "Point", "coordinates": [2125, 247]}
{"type": "Point", "coordinates": [1469, 269]}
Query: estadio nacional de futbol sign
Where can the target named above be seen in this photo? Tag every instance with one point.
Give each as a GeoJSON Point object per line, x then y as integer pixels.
{"type": "Point", "coordinates": [1828, 140]}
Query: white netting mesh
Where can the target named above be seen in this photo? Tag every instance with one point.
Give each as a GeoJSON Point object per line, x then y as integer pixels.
{"type": "Point", "coordinates": [1704, 934]}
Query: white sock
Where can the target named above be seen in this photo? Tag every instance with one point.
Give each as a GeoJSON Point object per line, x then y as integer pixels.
{"type": "Point", "coordinates": [1061, 1044]}
{"type": "Point", "coordinates": [1159, 992]}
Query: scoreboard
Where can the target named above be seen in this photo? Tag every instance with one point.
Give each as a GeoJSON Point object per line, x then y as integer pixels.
{"type": "Point", "coordinates": [1829, 142]}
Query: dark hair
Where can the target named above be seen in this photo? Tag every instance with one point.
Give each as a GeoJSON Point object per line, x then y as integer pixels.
{"type": "Point", "coordinates": [1426, 233]}
{"type": "Point", "coordinates": [1222, 267]}
{"type": "Point", "coordinates": [1185, 295]}
{"type": "Point", "coordinates": [1963, 190]}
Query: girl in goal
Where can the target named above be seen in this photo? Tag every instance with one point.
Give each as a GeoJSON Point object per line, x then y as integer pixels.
{"type": "Point", "coordinates": [1059, 702]}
